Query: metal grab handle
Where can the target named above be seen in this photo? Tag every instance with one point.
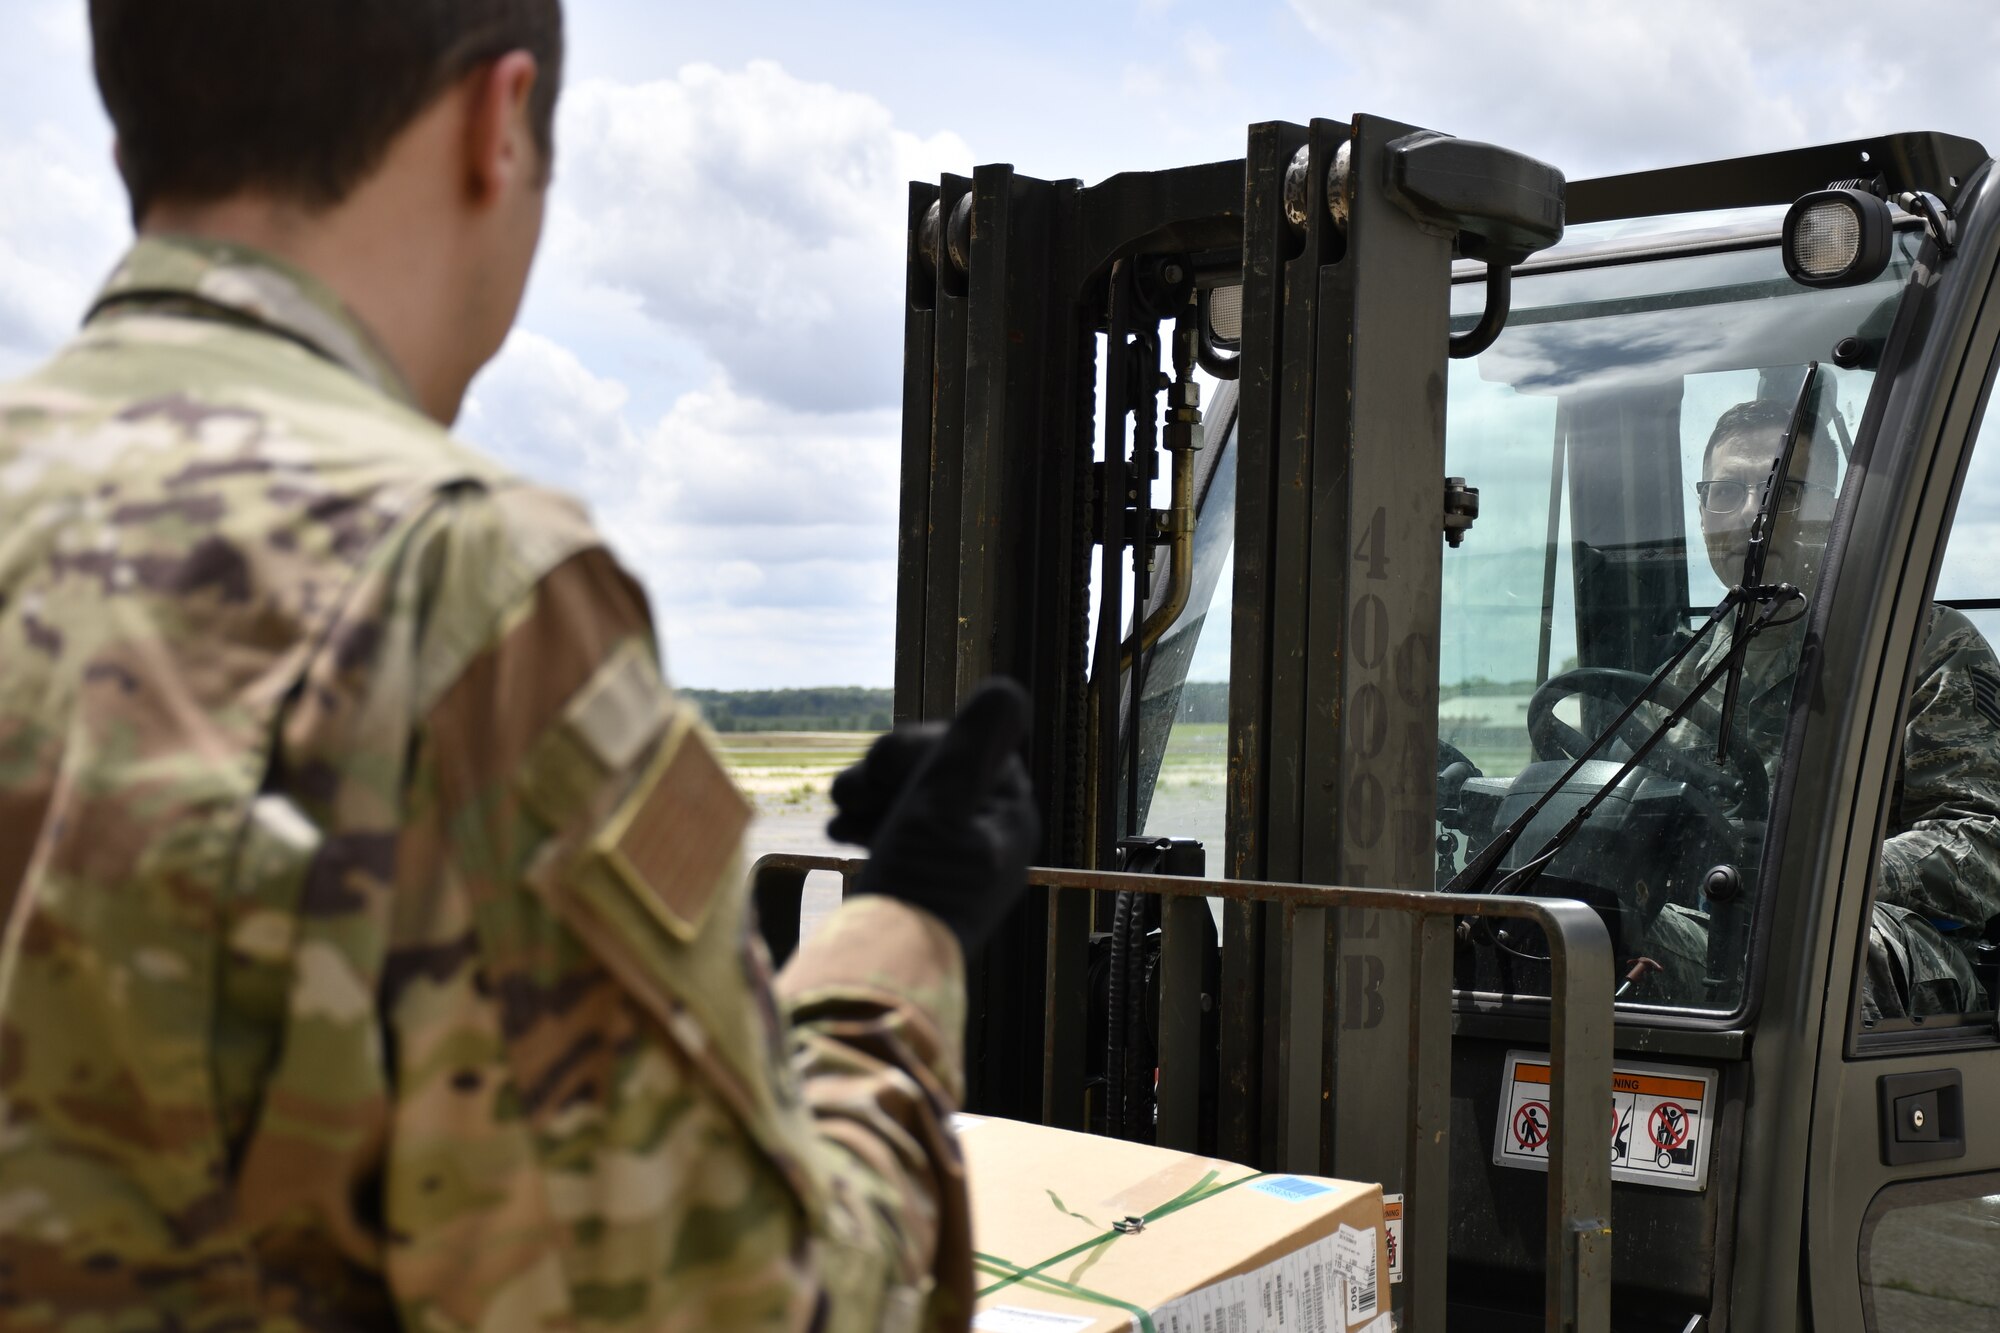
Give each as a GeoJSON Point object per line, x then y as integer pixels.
{"type": "Point", "coordinates": [1577, 1260]}
{"type": "Point", "coordinates": [1493, 319]}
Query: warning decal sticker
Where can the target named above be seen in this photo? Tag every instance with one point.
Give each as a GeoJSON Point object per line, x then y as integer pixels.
{"type": "Point", "coordinates": [1659, 1121]}
{"type": "Point", "coordinates": [1392, 1215]}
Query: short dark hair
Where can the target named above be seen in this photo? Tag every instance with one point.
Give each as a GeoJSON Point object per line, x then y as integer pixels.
{"type": "Point", "coordinates": [1768, 414]}
{"type": "Point", "coordinates": [298, 97]}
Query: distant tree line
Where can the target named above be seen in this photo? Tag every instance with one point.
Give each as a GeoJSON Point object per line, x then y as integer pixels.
{"type": "Point", "coordinates": [829, 708]}
{"type": "Point", "coordinates": [851, 708]}
{"type": "Point", "coordinates": [1479, 687]}
{"type": "Point", "coordinates": [1208, 700]}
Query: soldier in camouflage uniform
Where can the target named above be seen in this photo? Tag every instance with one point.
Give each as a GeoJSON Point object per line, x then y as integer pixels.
{"type": "Point", "coordinates": [377, 947]}
{"type": "Point", "coordinates": [1939, 877]}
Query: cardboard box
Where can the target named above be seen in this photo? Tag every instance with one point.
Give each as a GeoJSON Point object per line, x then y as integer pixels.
{"type": "Point", "coordinates": [1077, 1234]}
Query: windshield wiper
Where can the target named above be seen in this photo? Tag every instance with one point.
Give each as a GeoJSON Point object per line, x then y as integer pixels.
{"type": "Point", "coordinates": [1759, 549]}
{"type": "Point", "coordinates": [1480, 868]}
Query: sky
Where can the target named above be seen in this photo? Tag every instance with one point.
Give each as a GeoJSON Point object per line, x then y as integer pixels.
{"type": "Point", "coordinates": [710, 349]}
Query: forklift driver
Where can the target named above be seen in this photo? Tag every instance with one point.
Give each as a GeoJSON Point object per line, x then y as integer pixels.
{"type": "Point", "coordinates": [1938, 881]}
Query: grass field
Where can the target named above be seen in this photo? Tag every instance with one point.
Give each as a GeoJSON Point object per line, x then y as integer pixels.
{"type": "Point", "coordinates": [1196, 751]}
{"type": "Point", "coordinates": [787, 774]}
{"type": "Point", "coordinates": [1188, 798]}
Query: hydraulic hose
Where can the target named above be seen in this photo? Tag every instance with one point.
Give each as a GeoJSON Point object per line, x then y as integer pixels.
{"type": "Point", "coordinates": [1180, 567]}
{"type": "Point", "coordinates": [1183, 440]}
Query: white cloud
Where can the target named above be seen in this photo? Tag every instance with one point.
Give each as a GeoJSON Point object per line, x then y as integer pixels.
{"type": "Point", "coordinates": [758, 213]}
{"type": "Point", "coordinates": [765, 535]}
{"type": "Point", "coordinates": [65, 27]}
{"type": "Point", "coordinates": [542, 411]}
{"type": "Point", "coordinates": [1206, 56]}
{"type": "Point", "coordinates": [61, 228]}
{"type": "Point", "coordinates": [759, 218]}
{"type": "Point", "coordinates": [747, 462]}
{"type": "Point", "coordinates": [1601, 87]}
{"type": "Point", "coordinates": [1143, 81]}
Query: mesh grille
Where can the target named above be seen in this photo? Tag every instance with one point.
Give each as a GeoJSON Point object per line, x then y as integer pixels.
{"type": "Point", "coordinates": [1827, 240]}
{"type": "Point", "coordinates": [1225, 314]}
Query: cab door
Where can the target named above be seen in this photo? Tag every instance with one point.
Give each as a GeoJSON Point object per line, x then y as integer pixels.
{"type": "Point", "coordinates": [1901, 1181]}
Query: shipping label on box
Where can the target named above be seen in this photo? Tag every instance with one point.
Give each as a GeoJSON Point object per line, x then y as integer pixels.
{"type": "Point", "coordinates": [1329, 1286]}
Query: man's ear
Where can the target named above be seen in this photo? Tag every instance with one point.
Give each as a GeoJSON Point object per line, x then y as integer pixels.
{"type": "Point", "coordinates": [500, 144]}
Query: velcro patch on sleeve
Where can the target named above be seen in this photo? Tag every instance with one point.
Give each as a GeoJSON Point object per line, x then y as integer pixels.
{"type": "Point", "coordinates": [676, 835]}
{"type": "Point", "coordinates": [604, 731]}
{"type": "Point", "coordinates": [619, 712]}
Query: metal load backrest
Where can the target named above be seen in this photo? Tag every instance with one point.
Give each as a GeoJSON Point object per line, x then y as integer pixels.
{"type": "Point", "coordinates": [1411, 1096]}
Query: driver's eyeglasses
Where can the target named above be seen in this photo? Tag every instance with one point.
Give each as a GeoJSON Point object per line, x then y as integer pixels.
{"type": "Point", "coordinates": [1728, 497]}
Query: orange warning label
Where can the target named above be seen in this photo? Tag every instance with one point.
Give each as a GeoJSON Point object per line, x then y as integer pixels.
{"type": "Point", "coordinates": [1626, 1081]}
{"type": "Point", "coordinates": [1658, 1113]}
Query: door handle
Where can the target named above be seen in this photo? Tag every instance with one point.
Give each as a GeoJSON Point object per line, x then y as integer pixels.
{"type": "Point", "coordinates": [1923, 1116]}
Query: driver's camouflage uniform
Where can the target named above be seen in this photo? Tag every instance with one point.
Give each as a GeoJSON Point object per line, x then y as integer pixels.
{"type": "Point", "coordinates": [1939, 876]}
{"type": "Point", "coordinates": [378, 951]}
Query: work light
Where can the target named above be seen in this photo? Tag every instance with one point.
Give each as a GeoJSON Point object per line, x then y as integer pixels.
{"type": "Point", "coordinates": [1837, 238]}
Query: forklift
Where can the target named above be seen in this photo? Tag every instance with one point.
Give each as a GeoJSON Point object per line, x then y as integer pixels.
{"type": "Point", "coordinates": [1404, 436]}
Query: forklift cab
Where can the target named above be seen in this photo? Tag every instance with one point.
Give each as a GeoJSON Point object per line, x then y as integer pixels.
{"type": "Point", "coordinates": [1585, 429]}
{"type": "Point", "coordinates": [1450, 528]}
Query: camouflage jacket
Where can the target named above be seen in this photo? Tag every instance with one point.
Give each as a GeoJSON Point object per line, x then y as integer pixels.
{"type": "Point", "coordinates": [1939, 874]}
{"type": "Point", "coordinates": [377, 945]}
{"type": "Point", "coordinates": [1942, 857]}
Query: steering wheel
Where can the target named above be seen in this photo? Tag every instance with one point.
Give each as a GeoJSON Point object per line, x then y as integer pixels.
{"type": "Point", "coordinates": [1740, 780]}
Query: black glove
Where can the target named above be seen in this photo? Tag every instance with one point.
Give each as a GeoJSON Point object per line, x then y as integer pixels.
{"type": "Point", "coordinates": [947, 814]}
{"type": "Point", "coordinates": [863, 792]}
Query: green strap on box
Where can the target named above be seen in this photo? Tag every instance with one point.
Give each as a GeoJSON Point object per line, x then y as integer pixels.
{"type": "Point", "coordinates": [1038, 1278]}
{"type": "Point", "coordinates": [1056, 1286]}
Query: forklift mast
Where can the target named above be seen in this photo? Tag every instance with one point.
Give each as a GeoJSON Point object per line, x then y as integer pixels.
{"type": "Point", "coordinates": [1344, 292]}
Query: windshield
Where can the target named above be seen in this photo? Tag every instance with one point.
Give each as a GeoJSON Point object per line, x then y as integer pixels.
{"type": "Point", "coordinates": [1621, 433]}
